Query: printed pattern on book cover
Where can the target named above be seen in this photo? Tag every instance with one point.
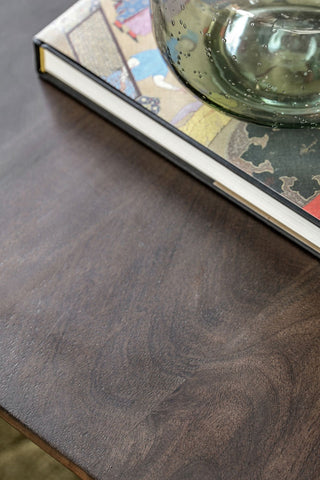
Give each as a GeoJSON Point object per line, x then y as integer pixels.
{"type": "Point", "coordinates": [114, 41]}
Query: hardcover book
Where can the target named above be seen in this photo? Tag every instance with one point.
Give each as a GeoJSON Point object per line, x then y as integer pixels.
{"type": "Point", "coordinates": [103, 53]}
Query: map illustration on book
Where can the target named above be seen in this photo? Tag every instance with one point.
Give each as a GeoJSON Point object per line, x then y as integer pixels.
{"type": "Point", "coordinates": [113, 40]}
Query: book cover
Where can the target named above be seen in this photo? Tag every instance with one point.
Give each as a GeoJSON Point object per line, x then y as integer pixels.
{"type": "Point", "coordinates": [113, 40]}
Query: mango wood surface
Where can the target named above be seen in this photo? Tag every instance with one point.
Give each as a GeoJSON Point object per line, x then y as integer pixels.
{"type": "Point", "coordinates": [150, 329]}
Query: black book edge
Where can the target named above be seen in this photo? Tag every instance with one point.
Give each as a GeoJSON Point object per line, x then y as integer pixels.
{"type": "Point", "coordinates": [39, 45]}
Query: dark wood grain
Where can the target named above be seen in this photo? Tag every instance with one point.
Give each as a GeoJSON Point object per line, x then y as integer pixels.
{"type": "Point", "coordinates": [150, 329]}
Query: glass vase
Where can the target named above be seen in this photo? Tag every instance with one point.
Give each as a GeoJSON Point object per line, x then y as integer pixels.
{"type": "Point", "coordinates": [258, 60]}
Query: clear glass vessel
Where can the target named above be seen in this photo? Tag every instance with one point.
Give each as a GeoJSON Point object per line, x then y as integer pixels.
{"type": "Point", "coordinates": [258, 60]}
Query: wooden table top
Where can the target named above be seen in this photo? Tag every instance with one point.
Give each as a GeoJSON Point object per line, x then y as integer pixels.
{"type": "Point", "coordinates": [150, 329]}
